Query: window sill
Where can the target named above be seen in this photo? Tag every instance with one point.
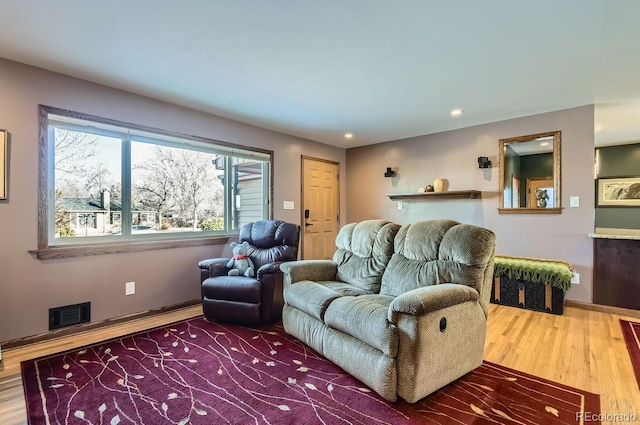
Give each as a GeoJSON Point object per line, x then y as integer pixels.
{"type": "Point", "coordinates": [68, 251]}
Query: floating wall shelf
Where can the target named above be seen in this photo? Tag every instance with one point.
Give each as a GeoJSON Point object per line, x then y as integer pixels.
{"type": "Point", "coordinates": [420, 196]}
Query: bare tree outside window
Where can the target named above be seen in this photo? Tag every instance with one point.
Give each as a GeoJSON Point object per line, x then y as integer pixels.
{"type": "Point", "coordinates": [80, 171]}
{"type": "Point", "coordinates": [181, 185]}
{"type": "Point", "coordinates": [83, 172]}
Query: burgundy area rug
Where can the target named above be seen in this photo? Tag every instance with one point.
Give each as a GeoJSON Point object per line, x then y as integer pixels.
{"type": "Point", "coordinates": [197, 372]}
{"type": "Point", "coordinates": [631, 332]}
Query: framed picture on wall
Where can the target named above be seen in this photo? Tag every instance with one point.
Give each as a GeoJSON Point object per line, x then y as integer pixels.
{"type": "Point", "coordinates": [3, 164]}
{"type": "Point", "coordinates": [619, 192]}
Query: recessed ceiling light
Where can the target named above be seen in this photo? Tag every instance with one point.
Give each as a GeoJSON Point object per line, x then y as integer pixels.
{"type": "Point", "coordinates": [348, 136]}
{"type": "Point", "coordinates": [456, 112]}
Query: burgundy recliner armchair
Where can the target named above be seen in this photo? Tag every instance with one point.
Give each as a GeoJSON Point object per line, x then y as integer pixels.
{"type": "Point", "coordinates": [251, 300]}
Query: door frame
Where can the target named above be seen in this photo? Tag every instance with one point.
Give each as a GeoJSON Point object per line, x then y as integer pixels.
{"type": "Point", "coordinates": [530, 180]}
{"type": "Point", "coordinates": [302, 218]}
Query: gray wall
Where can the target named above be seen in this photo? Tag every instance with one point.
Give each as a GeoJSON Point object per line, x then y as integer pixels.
{"type": "Point", "coordinates": [511, 170]}
{"type": "Point", "coordinates": [539, 165]}
{"type": "Point", "coordinates": [29, 287]}
{"type": "Point", "coordinates": [453, 156]}
{"type": "Point", "coordinates": [619, 161]}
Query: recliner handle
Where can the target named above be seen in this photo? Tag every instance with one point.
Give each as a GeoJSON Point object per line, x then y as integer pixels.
{"type": "Point", "coordinates": [443, 324]}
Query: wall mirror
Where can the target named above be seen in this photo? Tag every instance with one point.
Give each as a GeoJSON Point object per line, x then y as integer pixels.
{"type": "Point", "coordinates": [530, 174]}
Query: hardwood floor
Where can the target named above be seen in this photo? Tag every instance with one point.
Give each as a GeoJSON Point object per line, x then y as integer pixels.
{"type": "Point", "coordinates": [581, 348]}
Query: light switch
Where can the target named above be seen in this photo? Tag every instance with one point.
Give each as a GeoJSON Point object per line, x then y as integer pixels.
{"type": "Point", "coordinates": [574, 201]}
{"type": "Point", "coordinates": [288, 205]}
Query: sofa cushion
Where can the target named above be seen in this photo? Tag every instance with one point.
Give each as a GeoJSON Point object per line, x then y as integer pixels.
{"type": "Point", "coordinates": [314, 297]}
{"type": "Point", "coordinates": [365, 317]}
{"type": "Point", "coordinates": [364, 249]}
{"type": "Point", "coordinates": [270, 241]}
{"type": "Point", "coordinates": [429, 253]}
{"type": "Point", "coordinates": [343, 288]}
{"type": "Point", "coordinates": [310, 297]}
{"type": "Point", "coordinates": [231, 288]}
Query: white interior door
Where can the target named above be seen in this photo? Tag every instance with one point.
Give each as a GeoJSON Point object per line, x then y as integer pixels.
{"type": "Point", "coordinates": [320, 208]}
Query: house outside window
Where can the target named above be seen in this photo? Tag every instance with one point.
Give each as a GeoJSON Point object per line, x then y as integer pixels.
{"type": "Point", "coordinates": [108, 181]}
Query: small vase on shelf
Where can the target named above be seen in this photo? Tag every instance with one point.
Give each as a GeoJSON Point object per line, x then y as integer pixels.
{"type": "Point", "coordinates": [438, 185]}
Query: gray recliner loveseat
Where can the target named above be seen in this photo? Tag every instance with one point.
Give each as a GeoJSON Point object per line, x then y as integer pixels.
{"type": "Point", "coordinates": [401, 308]}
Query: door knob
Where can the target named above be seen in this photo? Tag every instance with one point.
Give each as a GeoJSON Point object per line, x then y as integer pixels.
{"type": "Point", "coordinates": [308, 224]}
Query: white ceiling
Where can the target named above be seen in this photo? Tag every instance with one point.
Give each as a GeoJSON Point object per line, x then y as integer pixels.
{"type": "Point", "coordinates": [381, 69]}
{"type": "Point", "coordinates": [617, 123]}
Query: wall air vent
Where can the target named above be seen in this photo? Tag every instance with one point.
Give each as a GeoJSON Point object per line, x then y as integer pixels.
{"type": "Point", "coordinates": [69, 315]}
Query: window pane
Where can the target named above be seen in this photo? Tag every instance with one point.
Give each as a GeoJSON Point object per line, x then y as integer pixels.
{"type": "Point", "coordinates": [175, 190]}
{"type": "Point", "coordinates": [87, 170]}
{"type": "Point", "coordinates": [248, 199]}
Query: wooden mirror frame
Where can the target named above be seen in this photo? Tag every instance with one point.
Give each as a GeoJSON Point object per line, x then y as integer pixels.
{"type": "Point", "coordinates": [556, 174]}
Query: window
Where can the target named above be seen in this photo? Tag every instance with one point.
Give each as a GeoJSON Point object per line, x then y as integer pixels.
{"type": "Point", "coordinates": [105, 182]}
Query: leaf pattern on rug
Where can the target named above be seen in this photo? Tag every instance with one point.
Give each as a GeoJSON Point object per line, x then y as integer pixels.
{"type": "Point", "coordinates": [551, 410]}
{"type": "Point", "coordinates": [478, 410]}
{"type": "Point", "coordinates": [202, 373]}
{"type": "Point", "coordinates": [501, 414]}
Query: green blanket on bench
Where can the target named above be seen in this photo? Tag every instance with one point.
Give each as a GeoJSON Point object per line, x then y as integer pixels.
{"type": "Point", "coordinates": [556, 273]}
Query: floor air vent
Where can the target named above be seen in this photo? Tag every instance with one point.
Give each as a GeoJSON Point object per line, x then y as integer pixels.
{"type": "Point", "coordinates": [69, 315]}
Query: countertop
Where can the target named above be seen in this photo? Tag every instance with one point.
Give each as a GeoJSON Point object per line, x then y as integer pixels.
{"type": "Point", "coordinates": [610, 233]}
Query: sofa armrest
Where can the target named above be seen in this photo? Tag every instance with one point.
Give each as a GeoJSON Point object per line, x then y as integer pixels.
{"type": "Point", "coordinates": [430, 298]}
{"type": "Point", "coordinates": [269, 268]}
{"type": "Point", "coordinates": [213, 267]}
{"type": "Point", "coordinates": [314, 270]}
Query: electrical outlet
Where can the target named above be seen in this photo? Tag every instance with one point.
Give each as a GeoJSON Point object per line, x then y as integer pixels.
{"type": "Point", "coordinates": [130, 288]}
{"type": "Point", "coordinates": [575, 277]}
{"type": "Point", "coordinates": [399, 205]}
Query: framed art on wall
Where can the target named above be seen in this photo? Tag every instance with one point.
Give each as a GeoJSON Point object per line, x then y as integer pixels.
{"type": "Point", "coordinates": [3, 164]}
{"type": "Point", "coordinates": [619, 192]}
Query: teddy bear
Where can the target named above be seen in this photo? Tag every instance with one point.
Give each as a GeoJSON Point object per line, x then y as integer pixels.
{"type": "Point", "coordinates": [240, 264]}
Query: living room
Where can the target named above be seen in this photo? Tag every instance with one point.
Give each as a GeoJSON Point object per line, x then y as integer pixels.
{"type": "Point", "coordinates": [169, 277]}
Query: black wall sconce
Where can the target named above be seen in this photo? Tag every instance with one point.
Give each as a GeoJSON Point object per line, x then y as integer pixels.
{"type": "Point", "coordinates": [390, 172]}
{"type": "Point", "coordinates": [484, 162]}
